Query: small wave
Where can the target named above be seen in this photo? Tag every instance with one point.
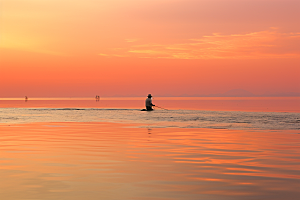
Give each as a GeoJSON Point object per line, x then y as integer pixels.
{"type": "Point", "coordinates": [170, 118]}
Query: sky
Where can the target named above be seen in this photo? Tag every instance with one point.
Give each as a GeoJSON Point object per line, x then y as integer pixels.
{"type": "Point", "coordinates": [83, 48]}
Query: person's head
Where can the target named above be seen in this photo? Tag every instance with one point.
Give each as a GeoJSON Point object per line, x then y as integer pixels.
{"type": "Point", "coordinates": [149, 95]}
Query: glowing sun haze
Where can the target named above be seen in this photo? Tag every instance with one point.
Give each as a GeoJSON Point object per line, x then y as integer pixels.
{"type": "Point", "coordinates": [60, 48]}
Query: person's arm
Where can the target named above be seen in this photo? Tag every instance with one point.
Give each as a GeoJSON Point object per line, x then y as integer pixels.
{"type": "Point", "coordinates": [151, 103]}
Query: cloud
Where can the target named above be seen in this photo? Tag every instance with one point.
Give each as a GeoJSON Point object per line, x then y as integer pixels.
{"type": "Point", "coordinates": [103, 54]}
{"type": "Point", "coordinates": [263, 44]}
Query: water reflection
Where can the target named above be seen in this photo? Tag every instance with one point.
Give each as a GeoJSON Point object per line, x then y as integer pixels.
{"type": "Point", "coordinates": [111, 161]}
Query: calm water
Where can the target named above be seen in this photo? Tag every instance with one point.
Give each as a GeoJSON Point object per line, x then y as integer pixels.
{"type": "Point", "coordinates": [112, 161]}
{"type": "Point", "coordinates": [83, 149]}
{"type": "Point", "coordinates": [251, 104]}
{"type": "Point", "coordinates": [159, 118]}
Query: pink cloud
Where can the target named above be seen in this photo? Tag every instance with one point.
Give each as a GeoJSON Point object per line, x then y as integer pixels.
{"type": "Point", "coordinates": [263, 44]}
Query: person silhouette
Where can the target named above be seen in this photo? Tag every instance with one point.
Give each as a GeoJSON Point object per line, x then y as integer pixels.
{"type": "Point", "coordinates": [149, 102]}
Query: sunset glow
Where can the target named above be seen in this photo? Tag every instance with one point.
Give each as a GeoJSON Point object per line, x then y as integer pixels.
{"type": "Point", "coordinates": [132, 48]}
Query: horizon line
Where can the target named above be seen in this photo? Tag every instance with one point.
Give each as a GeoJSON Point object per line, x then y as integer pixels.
{"type": "Point", "coordinates": [139, 97]}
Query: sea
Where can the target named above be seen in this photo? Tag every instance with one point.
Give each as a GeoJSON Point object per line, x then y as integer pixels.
{"type": "Point", "coordinates": [218, 113]}
{"type": "Point", "coordinates": [188, 148]}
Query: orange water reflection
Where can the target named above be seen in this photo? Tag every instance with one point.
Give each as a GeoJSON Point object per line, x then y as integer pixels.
{"type": "Point", "coordinates": [256, 104]}
{"type": "Point", "coordinates": [112, 161]}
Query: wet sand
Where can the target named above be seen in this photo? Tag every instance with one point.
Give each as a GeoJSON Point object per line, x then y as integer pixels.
{"type": "Point", "coordinates": [74, 161]}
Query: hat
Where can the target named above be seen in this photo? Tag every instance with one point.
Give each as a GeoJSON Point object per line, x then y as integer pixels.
{"type": "Point", "coordinates": [149, 95]}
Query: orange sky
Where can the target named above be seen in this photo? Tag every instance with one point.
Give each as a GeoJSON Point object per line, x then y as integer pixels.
{"type": "Point", "coordinates": [55, 48]}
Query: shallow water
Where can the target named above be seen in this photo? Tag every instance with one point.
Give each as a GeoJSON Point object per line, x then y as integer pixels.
{"type": "Point", "coordinates": [159, 118]}
{"type": "Point", "coordinates": [115, 161]}
{"type": "Point", "coordinates": [219, 148]}
{"type": "Point", "coordinates": [249, 104]}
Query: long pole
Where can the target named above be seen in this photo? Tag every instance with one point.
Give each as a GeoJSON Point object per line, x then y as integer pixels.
{"type": "Point", "coordinates": [161, 108]}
